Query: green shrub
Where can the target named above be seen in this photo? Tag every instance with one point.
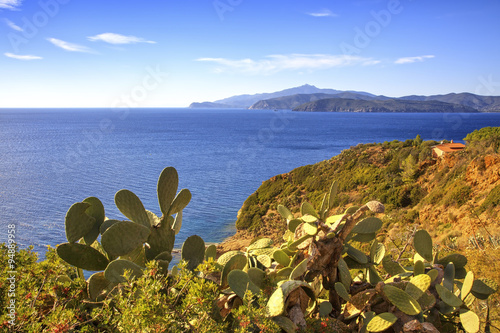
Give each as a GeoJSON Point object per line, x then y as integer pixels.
{"type": "Point", "coordinates": [492, 200]}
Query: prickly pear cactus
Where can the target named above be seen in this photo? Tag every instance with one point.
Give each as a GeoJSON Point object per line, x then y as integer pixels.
{"type": "Point", "coordinates": [128, 245]}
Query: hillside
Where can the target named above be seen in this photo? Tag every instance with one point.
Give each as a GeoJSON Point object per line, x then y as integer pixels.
{"type": "Point", "coordinates": [391, 105]}
{"type": "Point", "coordinates": [481, 103]}
{"type": "Point", "coordinates": [291, 102]}
{"type": "Point", "coordinates": [454, 198]}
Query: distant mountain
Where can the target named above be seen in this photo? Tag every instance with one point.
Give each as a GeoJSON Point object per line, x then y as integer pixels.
{"type": "Point", "coordinates": [294, 97]}
{"type": "Point", "coordinates": [481, 103]}
{"type": "Point", "coordinates": [208, 105]}
{"type": "Point", "coordinates": [390, 105]}
{"type": "Point", "coordinates": [246, 101]}
{"type": "Point", "coordinates": [290, 102]}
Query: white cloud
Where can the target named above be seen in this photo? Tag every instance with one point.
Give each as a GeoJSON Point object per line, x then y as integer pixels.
{"type": "Point", "coordinates": [113, 38]}
{"type": "Point", "coordinates": [10, 4]}
{"type": "Point", "coordinates": [323, 13]}
{"type": "Point", "coordinates": [409, 60]}
{"type": "Point", "coordinates": [22, 57]}
{"type": "Point", "coordinates": [276, 63]}
{"type": "Point", "coordinates": [12, 25]}
{"type": "Point", "coordinates": [68, 46]}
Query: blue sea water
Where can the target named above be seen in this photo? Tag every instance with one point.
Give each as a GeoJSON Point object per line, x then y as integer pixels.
{"type": "Point", "coordinates": [52, 158]}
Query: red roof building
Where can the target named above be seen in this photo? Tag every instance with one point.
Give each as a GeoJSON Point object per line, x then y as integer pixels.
{"type": "Point", "coordinates": [446, 148]}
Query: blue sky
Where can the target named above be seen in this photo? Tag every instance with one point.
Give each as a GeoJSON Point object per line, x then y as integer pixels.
{"type": "Point", "coordinates": [75, 53]}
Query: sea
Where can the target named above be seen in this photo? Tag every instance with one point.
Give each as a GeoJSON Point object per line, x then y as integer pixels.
{"type": "Point", "coordinates": [52, 158]}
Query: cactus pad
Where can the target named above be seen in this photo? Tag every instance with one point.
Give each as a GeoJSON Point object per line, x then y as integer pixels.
{"type": "Point", "coordinates": [177, 223]}
{"type": "Point", "coordinates": [381, 322]}
{"type": "Point", "coordinates": [276, 303]}
{"type": "Point", "coordinates": [482, 287]}
{"type": "Point", "coordinates": [293, 224]}
{"type": "Point", "coordinates": [223, 259]}
{"type": "Point", "coordinates": [116, 269]}
{"type": "Point", "coordinates": [418, 268]}
{"type": "Point", "coordinates": [260, 244]}
{"type": "Point", "coordinates": [240, 282]}
{"type": "Point", "coordinates": [333, 193]}
{"type": "Point", "coordinates": [367, 226]}
{"type": "Point", "coordinates": [131, 206]}
{"type": "Point", "coordinates": [447, 296]}
{"type": "Point", "coordinates": [285, 324]}
{"type": "Point", "coordinates": [265, 260]}
{"type": "Point", "coordinates": [299, 270]}
{"type": "Point", "coordinates": [344, 274]}
{"type": "Point", "coordinates": [469, 320]}
{"type": "Point", "coordinates": [193, 251]}
{"type": "Point", "coordinates": [377, 252]}
{"type": "Point", "coordinates": [160, 240]}
{"type": "Point", "coordinates": [106, 224]}
{"type": "Point", "coordinates": [342, 291]}
{"type": "Point", "coordinates": [257, 276]}
{"type": "Point", "coordinates": [238, 261]}
{"type": "Point", "coordinates": [457, 259]}
{"type": "Point", "coordinates": [325, 308]}
{"type": "Point", "coordinates": [422, 242]}
{"type": "Point", "coordinates": [311, 228]}
{"type": "Point", "coordinates": [281, 258]}
{"type": "Point", "coordinates": [180, 202]}
{"type": "Point", "coordinates": [123, 237]}
{"type": "Point", "coordinates": [82, 256]}
{"type": "Point", "coordinates": [168, 183]}
{"type": "Point", "coordinates": [285, 212]}
{"type": "Point", "coordinates": [433, 273]}
{"type": "Point", "coordinates": [449, 276]}
{"type": "Point", "coordinates": [97, 283]}
{"type": "Point", "coordinates": [77, 222]}
{"type": "Point", "coordinates": [418, 285]}
{"type": "Point", "coordinates": [96, 210]}
{"type": "Point", "coordinates": [356, 254]}
{"type": "Point", "coordinates": [211, 252]}
{"type": "Point", "coordinates": [307, 209]}
{"type": "Point", "coordinates": [402, 300]}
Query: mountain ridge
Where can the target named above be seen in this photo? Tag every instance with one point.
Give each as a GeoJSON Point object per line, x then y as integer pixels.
{"type": "Point", "coordinates": [293, 97]}
{"type": "Point", "coordinates": [390, 105]}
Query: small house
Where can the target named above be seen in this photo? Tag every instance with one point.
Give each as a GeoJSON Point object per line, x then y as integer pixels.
{"type": "Point", "coordinates": [446, 148]}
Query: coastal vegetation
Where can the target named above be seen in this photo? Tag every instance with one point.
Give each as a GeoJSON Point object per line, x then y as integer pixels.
{"type": "Point", "coordinates": [388, 105]}
{"type": "Point", "coordinates": [338, 246]}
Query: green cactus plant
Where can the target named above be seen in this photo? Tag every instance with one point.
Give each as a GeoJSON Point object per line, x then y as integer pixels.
{"type": "Point", "coordinates": [125, 245]}
{"type": "Point", "coordinates": [193, 251]}
{"type": "Point", "coordinates": [308, 276]}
